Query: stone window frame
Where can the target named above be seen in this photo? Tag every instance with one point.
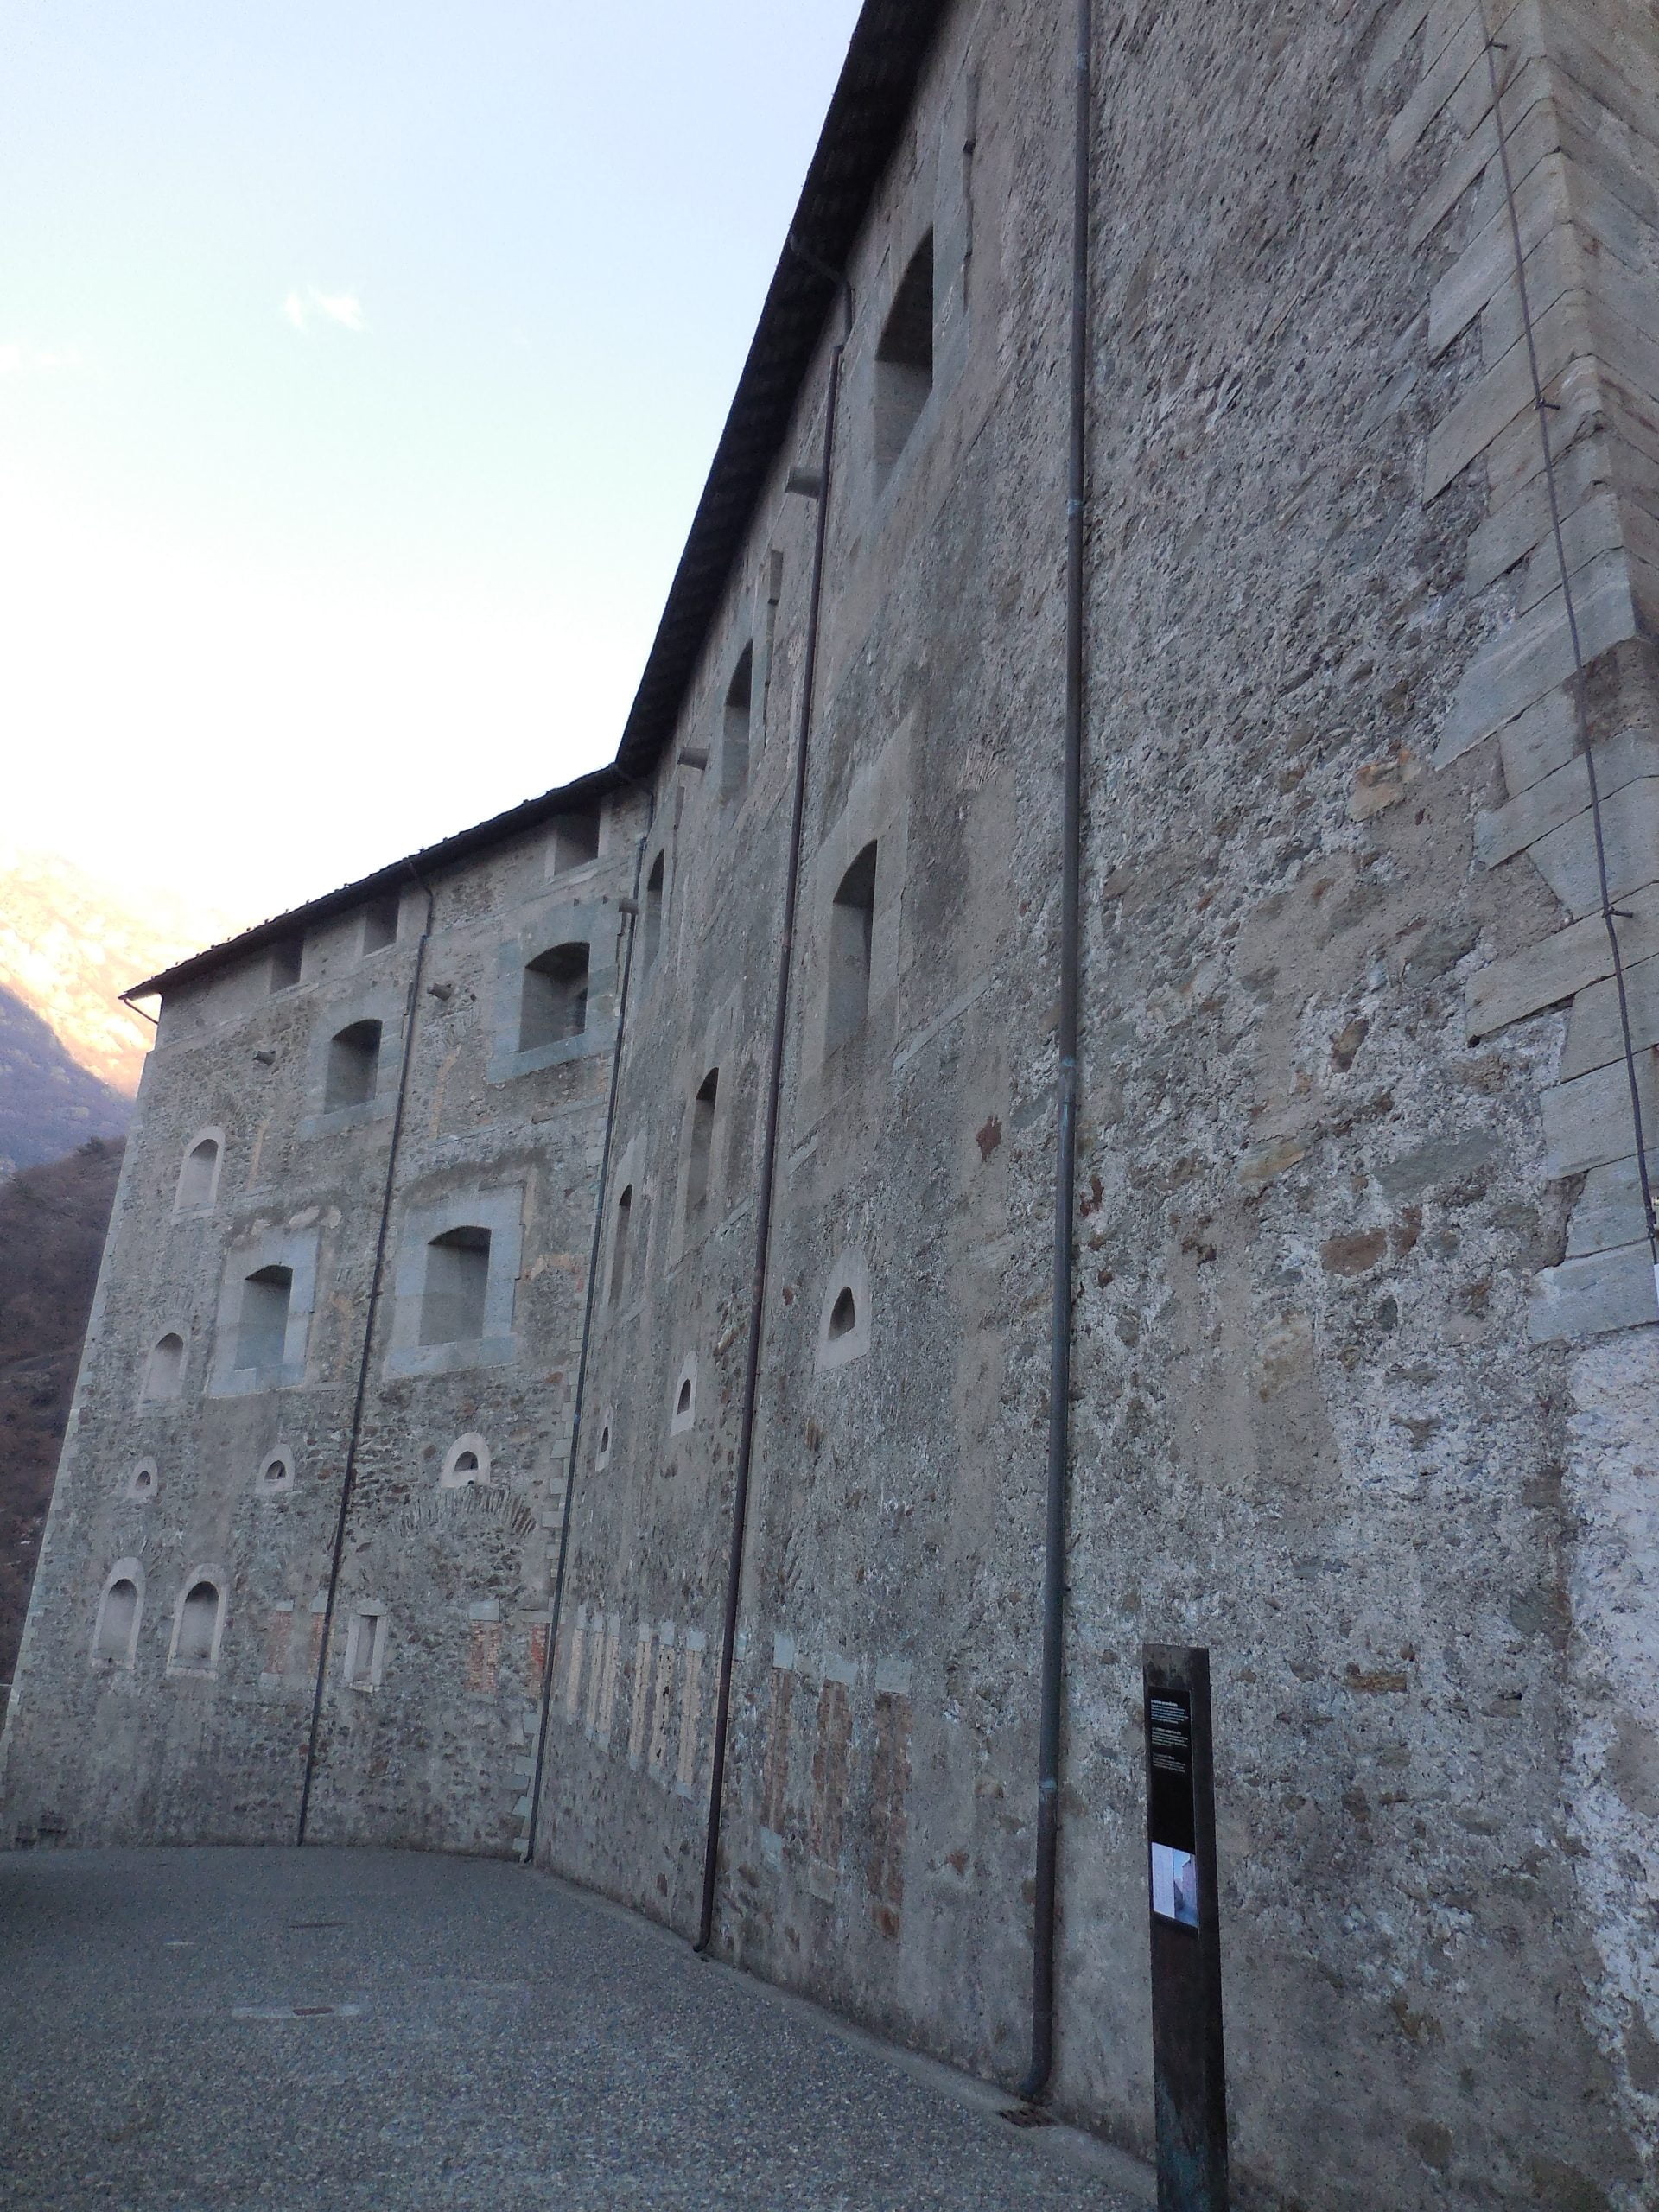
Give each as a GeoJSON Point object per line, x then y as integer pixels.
{"type": "Point", "coordinates": [180, 1211]}
{"type": "Point", "coordinates": [145, 1494]}
{"type": "Point", "coordinates": [279, 1455]}
{"type": "Point", "coordinates": [153, 1404]}
{"type": "Point", "coordinates": [451, 1477]}
{"type": "Point", "coordinates": [220, 1581]}
{"type": "Point", "coordinates": [373, 1612]}
{"type": "Point", "coordinates": [849, 1270]}
{"type": "Point", "coordinates": [554, 919]}
{"type": "Point", "coordinates": [131, 1570]}
{"type": "Point", "coordinates": [296, 1250]}
{"type": "Point", "coordinates": [681, 1424]}
{"type": "Point", "coordinates": [377, 1000]}
{"type": "Point", "coordinates": [497, 1208]}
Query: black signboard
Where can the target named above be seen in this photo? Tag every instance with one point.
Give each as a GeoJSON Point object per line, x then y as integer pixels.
{"type": "Point", "coordinates": [1188, 2074]}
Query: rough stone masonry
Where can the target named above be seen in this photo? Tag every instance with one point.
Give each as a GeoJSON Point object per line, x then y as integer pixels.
{"type": "Point", "coordinates": [397, 1497]}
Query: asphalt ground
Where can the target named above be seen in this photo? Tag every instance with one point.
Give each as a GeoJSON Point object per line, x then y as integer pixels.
{"type": "Point", "coordinates": [206, 2031]}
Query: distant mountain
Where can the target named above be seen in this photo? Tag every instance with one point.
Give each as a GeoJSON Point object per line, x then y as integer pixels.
{"type": "Point", "coordinates": [52, 1225]}
{"type": "Point", "coordinates": [48, 1103]}
{"type": "Point", "coordinates": [70, 1052]}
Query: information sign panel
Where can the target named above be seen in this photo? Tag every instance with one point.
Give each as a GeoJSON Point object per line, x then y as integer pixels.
{"type": "Point", "coordinates": [1188, 2074]}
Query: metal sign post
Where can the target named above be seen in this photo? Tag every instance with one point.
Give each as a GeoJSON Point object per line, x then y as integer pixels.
{"type": "Point", "coordinates": [1189, 2079]}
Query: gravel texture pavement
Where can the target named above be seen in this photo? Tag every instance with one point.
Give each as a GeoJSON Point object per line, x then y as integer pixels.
{"type": "Point", "coordinates": [206, 2031]}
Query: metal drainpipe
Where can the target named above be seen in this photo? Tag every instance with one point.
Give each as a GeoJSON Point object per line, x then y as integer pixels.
{"type": "Point", "coordinates": [349, 1479]}
{"type": "Point", "coordinates": [594, 1251]}
{"type": "Point", "coordinates": [769, 1152]}
{"type": "Point", "coordinates": [1038, 2077]}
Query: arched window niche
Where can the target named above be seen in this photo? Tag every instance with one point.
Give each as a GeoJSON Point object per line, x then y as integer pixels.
{"type": "Point", "coordinates": [851, 932]}
{"type": "Point", "coordinates": [736, 719]}
{"type": "Point", "coordinates": [275, 1476]}
{"type": "Point", "coordinates": [844, 1312]}
{"type": "Point", "coordinates": [684, 1406]}
{"type": "Point", "coordinates": [468, 1461]}
{"type": "Point", "coordinates": [352, 1074]}
{"type": "Point", "coordinates": [120, 1610]}
{"type": "Point", "coordinates": [164, 1370]}
{"type": "Point", "coordinates": [199, 1624]}
{"type": "Point", "coordinates": [198, 1186]}
{"type": "Point", "coordinates": [143, 1482]}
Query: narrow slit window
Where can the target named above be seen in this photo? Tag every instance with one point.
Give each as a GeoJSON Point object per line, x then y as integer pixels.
{"type": "Point", "coordinates": [365, 1648]}
{"type": "Point", "coordinates": [904, 359]}
{"type": "Point", "coordinates": [843, 1315]}
{"type": "Point", "coordinates": [117, 1621]}
{"type": "Point", "coordinates": [380, 924]}
{"type": "Point", "coordinates": [553, 1003]}
{"type": "Point", "coordinates": [199, 1178]}
{"type": "Point", "coordinates": [198, 1626]}
{"type": "Point", "coordinates": [703, 1144]}
{"type": "Point", "coordinates": [165, 1374]}
{"type": "Point", "coordinates": [262, 1325]}
{"type": "Point", "coordinates": [619, 1247]}
{"type": "Point", "coordinates": [576, 841]}
{"type": "Point", "coordinates": [457, 1279]}
{"type": "Point", "coordinates": [354, 1066]}
{"type": "Point", "coordinates": [653, 916]}
{"type": "Point", "coordinates": [683, 1404]}
{"type": "Point", "coordinates": [852, 925]}
{"type": "Point", "coordinates": [285, 963]}
{"type": "Point", "coordinates": [734, 735]}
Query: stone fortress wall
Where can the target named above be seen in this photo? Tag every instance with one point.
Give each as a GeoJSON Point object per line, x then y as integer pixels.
{"type": "Point", "coordinates": [1363, 1316]}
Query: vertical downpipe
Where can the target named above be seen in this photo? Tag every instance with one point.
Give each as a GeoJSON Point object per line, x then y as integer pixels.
{"type": "Point", "coordinates": [769, 1159]}
{"type": "Point", "coordinates": [1038, 2077]}
{"type": "Point", "coordinates": [348, 1480]}
{"type": "Point", "coordinates": [594, 1250]}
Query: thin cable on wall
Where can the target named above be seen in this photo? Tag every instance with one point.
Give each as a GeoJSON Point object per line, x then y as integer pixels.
{"type": "Point", "coordinates": [1542, 409]}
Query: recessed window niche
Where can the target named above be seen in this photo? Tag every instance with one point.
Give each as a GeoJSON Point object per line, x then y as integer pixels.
{"type": "Point", "coordinates": [606, 1427]}
{"type": "Point", "coordinates": [365, 1647]}
{"type": "Point", "coordinates": [276, 1472]}
{"type": "Point", "coordinates": [684, 1412]}
{"type": "Point", "coordinates": [380, 920]}
{"type": "Point", "coordinates": [199, 1174]}
{"type": "Point", "coordinates": [904, 359]}
{"type": "Point", "coordinates": [198, 1624]}
{"type": "Point", "coordinates": [143, 1482]}
{"type": "Point", "coordinates": [852, 932]}
{"type": "Point", "coordinates": [468, 1461]}
{"type": "Point", "coordinates": [736, 719]}
{"type": "Point", "coordinates": [553, 998]}
{"type": "Point", "coordinates": [354, 1066]}
{"type": "Point", "coordinates": [164, 1370]}
{"type": "Point", "coordinates": [576, 841]}
{"type": "Point", "coordinates": [114, 1633]}
{"type": "Point", "coordinates": [844, 1314]}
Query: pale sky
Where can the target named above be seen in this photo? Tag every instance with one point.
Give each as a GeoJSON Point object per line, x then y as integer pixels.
{"type": "Point", "coordinates": [361, 364]}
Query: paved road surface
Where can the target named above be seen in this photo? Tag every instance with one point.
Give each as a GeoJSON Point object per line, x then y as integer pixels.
{"type": "Point", "coordinates": [493, 2040]}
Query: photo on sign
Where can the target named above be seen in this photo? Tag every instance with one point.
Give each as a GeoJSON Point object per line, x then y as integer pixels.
{"type": "Point", "coordinates": [1174, 1884]}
